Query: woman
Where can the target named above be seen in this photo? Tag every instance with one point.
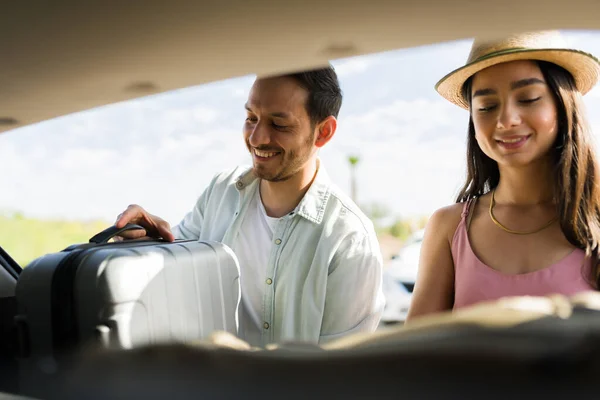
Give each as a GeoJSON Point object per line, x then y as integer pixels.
{"type": "Point", "coordinates": [527, 221]}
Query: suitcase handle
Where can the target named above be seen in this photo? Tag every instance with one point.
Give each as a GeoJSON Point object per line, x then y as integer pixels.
{"type": "Point", "coordinates": [110, 232]}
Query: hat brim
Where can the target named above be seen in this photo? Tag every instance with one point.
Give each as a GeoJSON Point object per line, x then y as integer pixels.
{"type": "Point", "coordinates": [584, 67]}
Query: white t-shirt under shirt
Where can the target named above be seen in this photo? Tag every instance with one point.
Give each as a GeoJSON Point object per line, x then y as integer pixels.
{"type": "Point", "coordinates": [253, 248]}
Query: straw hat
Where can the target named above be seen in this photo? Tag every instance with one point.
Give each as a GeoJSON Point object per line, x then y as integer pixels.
{"type": "Point", "coordinates": [544, 46]}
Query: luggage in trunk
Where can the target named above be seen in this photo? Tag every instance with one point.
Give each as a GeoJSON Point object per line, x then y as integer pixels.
{"type": "Point", "coordinates": [122, 295]}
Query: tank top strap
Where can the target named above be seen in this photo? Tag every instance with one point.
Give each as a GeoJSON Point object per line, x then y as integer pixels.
{"type": "Point", "coordinates": [467, 208]}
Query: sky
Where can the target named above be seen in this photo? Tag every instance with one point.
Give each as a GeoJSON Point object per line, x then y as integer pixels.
{"type": "Point", "coordinates": [161, 151]}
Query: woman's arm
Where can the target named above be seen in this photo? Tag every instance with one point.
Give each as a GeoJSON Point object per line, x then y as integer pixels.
{"type": "Point", "coordinates": [434, 288]}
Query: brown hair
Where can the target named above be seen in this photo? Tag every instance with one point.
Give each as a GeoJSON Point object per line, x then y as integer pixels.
{"type": "Point", "coordinates": [324, 92]}
{"type": "Point", "coordinates": [576, 167]}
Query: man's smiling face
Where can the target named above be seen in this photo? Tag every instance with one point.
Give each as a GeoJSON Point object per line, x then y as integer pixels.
{"type": "Point", "coordinates": [278, 131]}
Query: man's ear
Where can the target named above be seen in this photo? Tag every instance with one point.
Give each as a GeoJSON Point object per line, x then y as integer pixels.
{"type": "Point", "coordinates": [325, 131]}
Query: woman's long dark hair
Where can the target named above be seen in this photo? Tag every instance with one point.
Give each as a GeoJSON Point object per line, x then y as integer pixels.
{"type": "Point", "coordinates": [576, 167]}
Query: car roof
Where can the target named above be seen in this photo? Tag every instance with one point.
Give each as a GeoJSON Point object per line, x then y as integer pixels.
{"type": "Point", "coordinates": [61, 57]}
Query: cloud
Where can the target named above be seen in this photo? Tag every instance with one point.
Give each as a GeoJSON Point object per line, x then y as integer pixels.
{"type": "Point", "coordinates": [411, 121]}
{"type": "Point", "coordinates": [189, 116]}
{"type": "Point", "coordinates": [241, 93]}
{"type": "Point", "coordinates": [580, 39]}
{"type": "Point", "coordinates": [354, 66]}
{"type": "Point", "coordinates": [87, 158]}
{"type": "Point", "coordinates": [594, 93]}
{"type": "Point", "coordinates": [411, 154]}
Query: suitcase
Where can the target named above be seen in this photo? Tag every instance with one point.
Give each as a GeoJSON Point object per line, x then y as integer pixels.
{"type": "Point", "coordinates": [121, 295]}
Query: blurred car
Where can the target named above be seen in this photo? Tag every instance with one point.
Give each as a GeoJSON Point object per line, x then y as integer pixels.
{"type": "Point", "coordinates": [397, 301]}
{"type": "Point", "coordinates": [405, 264]}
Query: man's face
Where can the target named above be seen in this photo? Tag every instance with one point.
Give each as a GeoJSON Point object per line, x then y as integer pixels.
{"type": "Point", "coordinates": [278, 131]}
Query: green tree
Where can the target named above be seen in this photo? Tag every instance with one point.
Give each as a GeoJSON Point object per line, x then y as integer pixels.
{"type": "Point", "coordinates": [353, 160]}
{"type": "Point", "coordinates": [401, 229]}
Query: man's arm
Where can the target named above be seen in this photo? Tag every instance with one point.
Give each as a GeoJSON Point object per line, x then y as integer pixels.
{"type": "Point", "coordinates": [354, 301]}
{"type": "Point", "coordinates": [190, 226]}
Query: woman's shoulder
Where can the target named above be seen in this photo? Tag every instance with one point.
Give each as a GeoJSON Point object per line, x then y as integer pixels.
{"type": "Point", "coordinates": [450, 213]}
{"type": "Point", "coordinates": [445, 220]}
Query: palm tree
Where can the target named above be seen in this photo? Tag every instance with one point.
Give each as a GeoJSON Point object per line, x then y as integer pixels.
{"type": "Point", "coordinates": [353, 161]}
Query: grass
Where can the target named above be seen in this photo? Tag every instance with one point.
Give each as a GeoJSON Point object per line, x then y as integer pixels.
{"type": "Point", "coordinates": [27, 238]}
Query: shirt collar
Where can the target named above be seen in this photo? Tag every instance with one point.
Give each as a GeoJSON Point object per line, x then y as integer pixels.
{"type": "Point", "coordinates": [313, 204]}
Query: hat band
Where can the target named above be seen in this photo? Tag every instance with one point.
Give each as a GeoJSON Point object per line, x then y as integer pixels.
{"type": "Point", "coordinates": [502, 52]}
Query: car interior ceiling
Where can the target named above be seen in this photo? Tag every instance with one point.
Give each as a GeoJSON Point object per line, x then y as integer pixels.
{"type": "Point", "coordinates": [119, 51]}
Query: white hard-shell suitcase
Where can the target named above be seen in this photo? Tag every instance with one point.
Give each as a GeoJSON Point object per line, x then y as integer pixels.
{"type": "Point", "coordinates": [122, 295]}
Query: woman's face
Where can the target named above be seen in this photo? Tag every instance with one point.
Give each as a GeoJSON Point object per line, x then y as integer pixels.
{"type": "Point", "coordinates": [514, 113]}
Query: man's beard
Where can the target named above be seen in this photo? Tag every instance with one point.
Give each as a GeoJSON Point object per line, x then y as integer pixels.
{"type": "Point", "coordinates": [291, 161]}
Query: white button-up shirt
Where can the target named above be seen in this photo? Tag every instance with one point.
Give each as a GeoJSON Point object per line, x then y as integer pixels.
{"type": "Point", "coordinates": [324, 278]}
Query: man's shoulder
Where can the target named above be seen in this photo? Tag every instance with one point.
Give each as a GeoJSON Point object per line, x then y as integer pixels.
{"type": "Point", "coordinates": [348, 213]}
{"type": "Point", "coordinates": [355, 232]}
{"type": "Point", "coordinates": [222, 186]}
{"type": "Point", "coordinates": [229, 177]}
{"type": "Point", "coordinates": [233, 174]}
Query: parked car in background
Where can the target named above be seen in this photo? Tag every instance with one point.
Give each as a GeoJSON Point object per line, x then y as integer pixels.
{"type": "Point", "coordinates": [405, 264]}
{"type": "Point", "coordinates": [397, 301]}
{"type": "Point", "coordinates": [399, 279]}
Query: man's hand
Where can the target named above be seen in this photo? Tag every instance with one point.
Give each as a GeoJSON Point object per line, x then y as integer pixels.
{"type": "Point", "coordinates": [153, 226]}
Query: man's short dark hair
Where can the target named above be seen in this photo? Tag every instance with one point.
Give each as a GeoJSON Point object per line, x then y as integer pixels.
{"type": "Point", "coordinates": [324, 92]}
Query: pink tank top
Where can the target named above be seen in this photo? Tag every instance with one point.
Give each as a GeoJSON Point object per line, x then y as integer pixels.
{"type": "Point", "coordinates": [475, 282]}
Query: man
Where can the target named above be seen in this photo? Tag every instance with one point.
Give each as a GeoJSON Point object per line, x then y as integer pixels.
{"type": "Point", "coordinates": [309, 258]}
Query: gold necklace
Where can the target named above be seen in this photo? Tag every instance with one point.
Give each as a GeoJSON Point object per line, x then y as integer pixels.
{"type": "Point", "coordinates": [498, 224]}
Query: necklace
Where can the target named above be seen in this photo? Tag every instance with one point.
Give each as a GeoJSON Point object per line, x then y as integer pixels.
{"type": "Point", "coordinates": [498, 224]}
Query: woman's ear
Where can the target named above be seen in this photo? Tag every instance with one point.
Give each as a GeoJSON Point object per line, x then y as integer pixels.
{"type": "Point", "coordinates": [325, 131]}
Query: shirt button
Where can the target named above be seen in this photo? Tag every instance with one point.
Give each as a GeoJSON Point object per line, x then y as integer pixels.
{"type": "Point", "coordinates": [269, 281]}
{"type": "Point", "coordinates": [278, 241]}
{"type": "Point", "coordinates": [239, 184]}
{"type": "Point", "coordinates": [266, 325]}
